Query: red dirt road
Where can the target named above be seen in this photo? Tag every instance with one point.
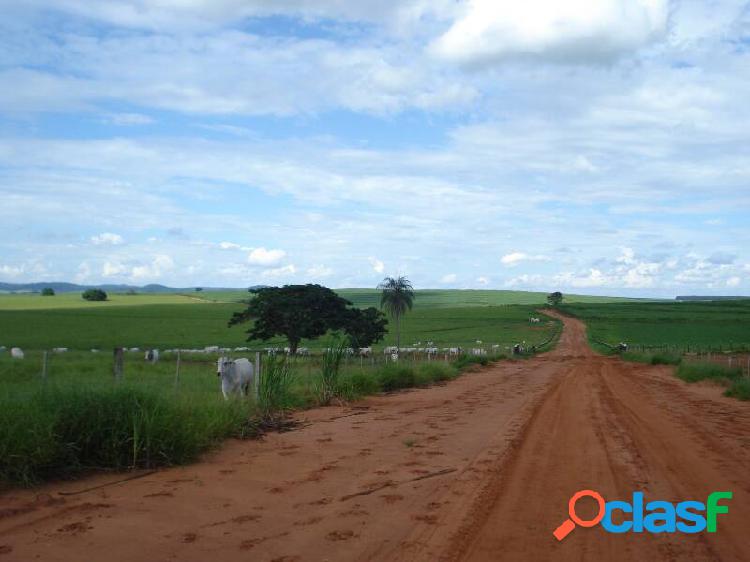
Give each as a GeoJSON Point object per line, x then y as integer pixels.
{"type": "Point", "coordinates": [478, 469]}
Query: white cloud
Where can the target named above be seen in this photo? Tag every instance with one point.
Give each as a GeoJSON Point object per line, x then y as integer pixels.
{"type": "Point", "coordinates": [229, 246]}
{"type": "Point", "coordinates": [262, 256]}
{"type": "Point", "coordinates": [158, 266]}
{"type": "Point", "coordinates": [449, 278]}
{"type": "Point", "coordinates": [319, 272]}
{"type": "Point", "coordinates": [107, 238]}
{"type": "Point", "coordinates": [11, 270]}
{"type": "Point", "coordinates": [566, 31]}
{"type": "Point", "coordinates": [516, 258]}
{"type": "Point", "coordinates": [126, 119]}
{"type": "Point", "coordinates": [113, 269]}
{"type": "Point", "coordinates": [733, 281]}
{"type": "Point", "coordinates": [483, 280]}
{"type": "Point", "coordinates": [377, 265]}
{"type": "Point", "coordinates": [279, 272]}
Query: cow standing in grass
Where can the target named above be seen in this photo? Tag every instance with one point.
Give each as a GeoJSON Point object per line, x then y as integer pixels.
{"type": "Point", "coordinates": [236, 375]}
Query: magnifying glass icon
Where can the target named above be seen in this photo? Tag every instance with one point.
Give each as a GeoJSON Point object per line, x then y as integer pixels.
{"type": "Point", "coordinates": [569, 524]}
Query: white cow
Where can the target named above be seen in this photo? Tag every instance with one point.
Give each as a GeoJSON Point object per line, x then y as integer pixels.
{"type": "Point", "coordinates": [16, 353]}
{"type": "Point", "coordinates": [236, 375]}
{"type": "Point", "coordinates": [59, 349]}
{"type": "Point", "coordinates": [152, 355]}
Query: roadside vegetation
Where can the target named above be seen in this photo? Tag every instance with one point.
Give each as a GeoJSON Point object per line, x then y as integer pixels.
{"type": "Point", "coordinates": [80, 420]}
{"type": "Point", "coordinates": [738, 386]}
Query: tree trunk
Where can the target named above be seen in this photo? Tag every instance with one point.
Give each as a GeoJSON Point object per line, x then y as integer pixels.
{"type": "Point", "coordinates": [398, 332]}
{"type": "Point", "coordinates": [293, 343]}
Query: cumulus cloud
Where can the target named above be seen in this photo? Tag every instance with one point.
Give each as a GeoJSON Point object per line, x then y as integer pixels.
{"type": "Point", "coordinates": [262, 256]}
{"type": "Point", "coordinates": [113, 269]}
{"type": "Point", "coordinates": [229, 246]}
{"type": "Point", "coordinates": [279, 272]}
{"type": "Point", "coordinates": [377, 265]}
{"type": "Point", "coordinates": [11, 270]}
{"type": "Point", "coordinates": [516, 258]}
{"type": "Point", "coordinates": [107, 238]}
{"type": "Point", "coordinates": [159, 265]}
{"type": "Point", "coordinates": [449, 278]}
{"type": "Point", "coordinates": [733, 281]}
{"type": "Point", "coordinates": [319, 272]}
{"type": "Point", "coordinates": [483, 280]}
{"type": "Point", "coordinates": [570, 31]}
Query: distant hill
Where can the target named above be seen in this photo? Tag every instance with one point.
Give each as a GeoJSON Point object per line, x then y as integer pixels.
{"type": "Point", "coordinates": [710, 298]}
{"type": "Point", "coordinates": [63, 287]}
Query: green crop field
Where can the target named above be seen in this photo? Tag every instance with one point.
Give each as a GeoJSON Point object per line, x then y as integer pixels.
{"type": "Point", "coordinates": [35, 301]}
{"type": "Point", "coordinates": [686, 326]}
{"type": "Point", "coordinates": [189, 326]}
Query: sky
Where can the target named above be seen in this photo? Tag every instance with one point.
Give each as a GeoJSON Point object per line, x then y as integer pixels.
{"type": "Point", "coordinates": [597, 147]}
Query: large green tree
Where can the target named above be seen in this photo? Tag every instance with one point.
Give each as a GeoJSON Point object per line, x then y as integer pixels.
{"type": "Point", "coordinates": [555, 298]}
{"type": "Point", "coordinates": [296, 312]}
{"type": "Point", "coordinates": [397, 297]}
{"type": "Point", "coordinates": [365, 326]}
{"type": "Point", "coordinates": [94, 295]}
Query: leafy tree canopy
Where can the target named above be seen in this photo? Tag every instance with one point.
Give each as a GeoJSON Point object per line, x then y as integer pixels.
{"type": "Point", "coordinates": [555, 298]}
{"type": "Point", "coordinates": [94, 295]}
{"type": "Point", "coordinates": [48, 292]}
{"type": "Point", "coordinates": [365, 327]}
{"type": "Point", "coordinates": [300, 312]}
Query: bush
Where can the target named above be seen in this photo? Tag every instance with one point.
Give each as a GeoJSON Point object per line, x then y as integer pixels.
{"type": "Point", "coordinates": [657, 358]}
{"type": "Point", "coordinates": [394, 376]}
{"type": "Point", "coordinates": [693, 372]}
{"type": "Point", "coordinates": [739, 389]}
{"type": "Point", "coordinates": [48, 292]}
{"type": "Point", "coordinates": [94, 295]}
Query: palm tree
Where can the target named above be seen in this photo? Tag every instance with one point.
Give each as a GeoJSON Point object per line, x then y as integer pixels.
{"type": "Point", "coordinates": [397, 297]}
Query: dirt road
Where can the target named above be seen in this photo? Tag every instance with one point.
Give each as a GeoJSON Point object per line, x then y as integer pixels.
{"type": "Point", "coordinates": [478, 469]}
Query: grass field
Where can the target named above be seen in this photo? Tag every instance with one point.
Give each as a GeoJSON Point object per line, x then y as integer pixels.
{"type": "Point", "coordinates": [35, 301]}
{"type": "Point", "coordinates": [431, 297]}
{"type": "Point", "coordinates": [684, 326]}
{"type": "Point", "coordinates": [187, 325]}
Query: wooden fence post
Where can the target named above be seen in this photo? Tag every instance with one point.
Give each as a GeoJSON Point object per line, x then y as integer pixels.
{"type": "Point", "coordinates": [118, 363]}
{"type": "Point", "coordinates": [257, 373]}
{"type": "Point", "coordinates": [177, 371]}
{"type": "Point", "coordinates": [44, 366]}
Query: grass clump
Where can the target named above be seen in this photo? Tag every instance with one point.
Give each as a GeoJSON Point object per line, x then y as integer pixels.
{"type": "Point", "coordinates": [330, 386]}
{"type": "Point", "coordinates": [656, 358]}
{"type": "Point", "coordinates": [739, 389]}
{"type": "Point", "coordinates": [275, 382]}
{"type": "Point", "coordinates": [694, 372]}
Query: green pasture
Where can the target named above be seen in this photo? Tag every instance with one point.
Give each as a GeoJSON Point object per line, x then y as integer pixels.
{"type": "Point", "coordinates": [195, 326]}
{"type": "Point", "coordinates": [35, 301]}
{"type": "Point", "coordinates": [681, 326]}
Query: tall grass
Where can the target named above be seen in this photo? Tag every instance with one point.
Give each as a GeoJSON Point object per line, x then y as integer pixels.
{"type": "Point", "coordinates": [693, 372]}
{"type": "Point", "coordinates": [61, 431]}
{"type": "Point", "coordinates": [329, 372]}
{"type": "Point", "coordinates": [274, 388]}
{"type": "Point", "coordinates": [656, 358]}
{"type": "Point", "coordinates": [739, 389]}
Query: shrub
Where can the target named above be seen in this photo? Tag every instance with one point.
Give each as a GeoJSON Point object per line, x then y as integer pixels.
{"type": "Point", "coordinates": [356, 385]}
{"type": "Point", "coordinates": [94, 295]}
{"type": "Point", "coordinates": [48, 292]}
{"type": "Point", "coordinates": [395, 376]}
{"type": "Point", "coordinates": [658, 358]}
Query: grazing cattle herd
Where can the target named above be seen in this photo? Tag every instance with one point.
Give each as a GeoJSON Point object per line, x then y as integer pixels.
{"type": "Point", "coordinates": [237, 375]}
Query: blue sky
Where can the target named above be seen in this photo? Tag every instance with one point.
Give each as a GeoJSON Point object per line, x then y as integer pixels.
{"type": "Point", "coordinates": [596, 147]}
